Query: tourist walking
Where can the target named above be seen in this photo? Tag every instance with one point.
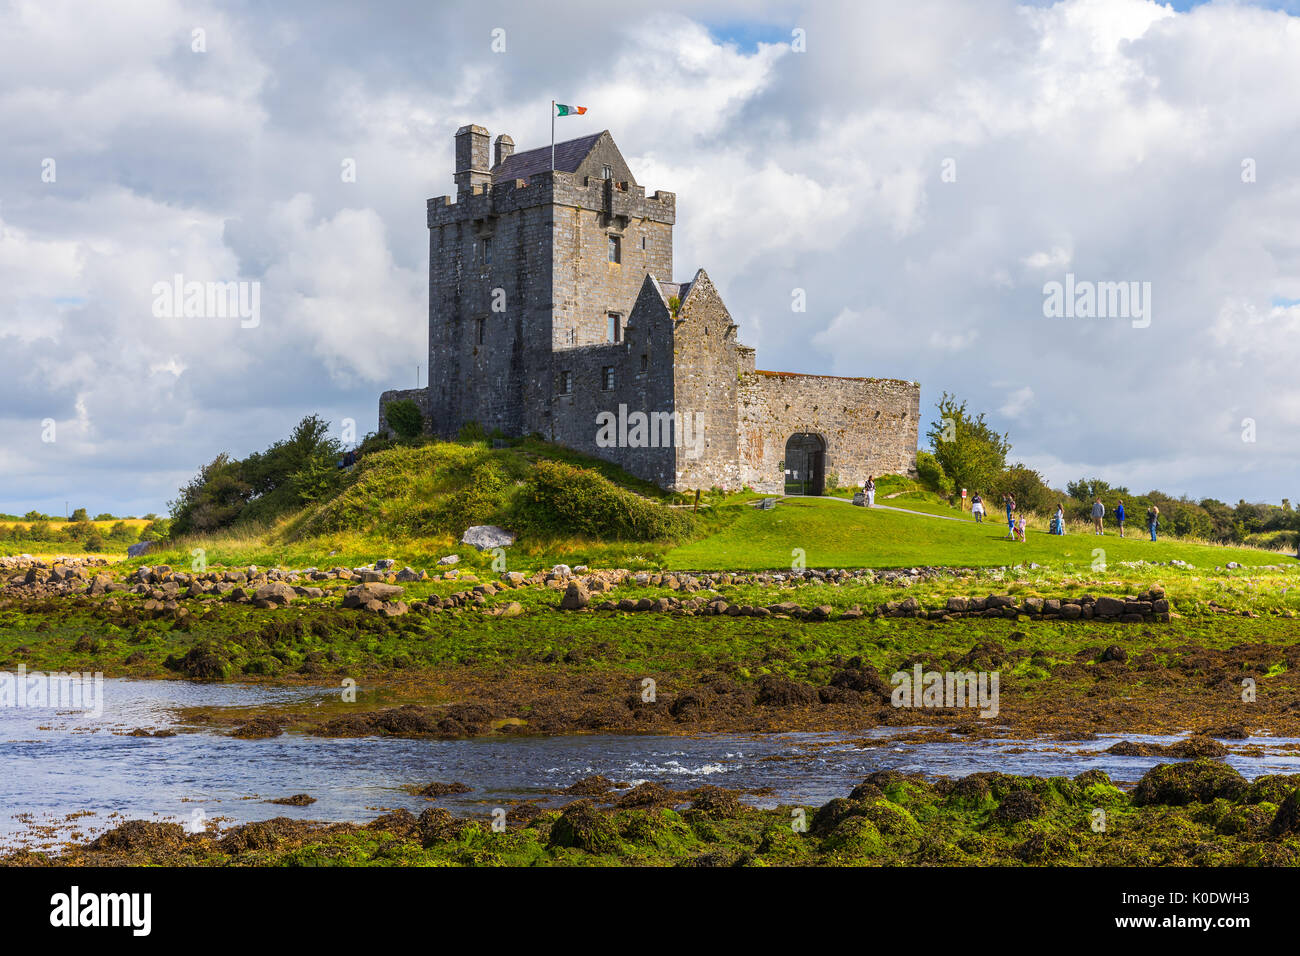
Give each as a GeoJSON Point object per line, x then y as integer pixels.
{"type": "Point", "coordinates": [1119, 516]}
{"type": "Point", "coordinates": [870, 489]}
{"type": "Point", "coordinates": [1153, 521]}
{"type": "Point", "coordinates": [977, 508]}
{"type": "Point", "coordinates": [1058, 520]}
{"type": "Point", "coordinates": [1020, 528]}
{"type": "Point", "coordinates": [1011, 520]}
{"type": "Point", "coordinates": [1098, 513]}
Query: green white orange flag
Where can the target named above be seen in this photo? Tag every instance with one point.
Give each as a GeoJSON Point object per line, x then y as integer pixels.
{"type": "Point", "coordinates": [569, 110]}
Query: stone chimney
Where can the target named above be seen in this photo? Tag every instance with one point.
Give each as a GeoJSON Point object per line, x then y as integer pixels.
{"type": "Point", "coordinates": [505, 147]}
{"type": "Point", "coordinates": [471, 158]}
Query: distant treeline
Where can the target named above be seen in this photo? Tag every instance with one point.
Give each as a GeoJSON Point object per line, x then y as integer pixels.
{"type": "Point", "coordinates": [967, 453]}
{"type": "Point", "coordinates": [86, 535]}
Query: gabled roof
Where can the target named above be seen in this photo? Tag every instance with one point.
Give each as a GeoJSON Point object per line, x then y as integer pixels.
{"type": "Point", "coordinates": [568, 157]}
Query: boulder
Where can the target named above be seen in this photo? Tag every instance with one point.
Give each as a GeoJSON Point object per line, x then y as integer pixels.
{"type": "Point", "coordinates": [449, 559]}
{"type": "Point", "coordinates": [1108, 607]}
{"type": "Point", "coordinates": [575, 597]}
{"type": "Point", "coordinates": [485, 536]}
{"type": "Point", "coordinates": [363, 595]}
{"type": "Point", "coordinates": [139, 548]}
{"type": "Point", "coordinates": [275, 593]}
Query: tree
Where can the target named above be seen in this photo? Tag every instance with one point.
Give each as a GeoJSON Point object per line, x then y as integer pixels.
{"type": "Point", "coordinates": [1028, 488]}
{"type": "Point", "coordinates": [213, 499]}
{"type": "Point", "coordinates": [971, 453]}
{"type": "Point", "coordinates": [404, 418]}
{"type": "Point", "coordinates": [79, 514]}
{"type": "Point", "coordinates": [931, 474]}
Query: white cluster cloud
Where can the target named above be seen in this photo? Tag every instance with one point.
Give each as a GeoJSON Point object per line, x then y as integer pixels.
{"type": "Point", "coordinates": [920, 171]}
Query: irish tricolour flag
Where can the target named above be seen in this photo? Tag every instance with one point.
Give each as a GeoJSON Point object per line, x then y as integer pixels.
{"type": "Point", "coordinates": [562, 110]}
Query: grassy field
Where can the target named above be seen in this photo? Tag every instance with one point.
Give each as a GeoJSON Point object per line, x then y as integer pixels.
{"type": "Point", "coordinates": [411, 504]}
{"type": "Point", "coordinates": [829, 533]}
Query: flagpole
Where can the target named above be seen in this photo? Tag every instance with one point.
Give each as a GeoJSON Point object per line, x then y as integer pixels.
{"type": "Point", "coordinates": [552, 135]}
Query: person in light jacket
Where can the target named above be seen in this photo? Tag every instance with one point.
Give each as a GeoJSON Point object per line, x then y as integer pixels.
{"type": "Point", "coordinates": [1098, 512]}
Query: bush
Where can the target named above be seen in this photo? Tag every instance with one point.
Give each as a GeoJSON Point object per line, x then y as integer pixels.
{"type": "Point", "coordinates": [559, 499]}
{"type": "Point", "coordinates": [931, 474]}
{"type": "Point", "coordinates": [1028, 488]}
{"type": "Point", "coordinates": [472, 432]}
{"type": "Point", "coordinates": [404, 417]}
{"type": "Point", "coordinates": [478, 502]}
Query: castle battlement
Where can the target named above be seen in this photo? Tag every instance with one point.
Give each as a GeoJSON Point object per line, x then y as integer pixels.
{"type": "Point", "coordinates": [546, 316]}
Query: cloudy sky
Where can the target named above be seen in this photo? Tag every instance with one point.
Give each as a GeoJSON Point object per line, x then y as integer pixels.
{"type": "Point", "coordinates": [921, 170]}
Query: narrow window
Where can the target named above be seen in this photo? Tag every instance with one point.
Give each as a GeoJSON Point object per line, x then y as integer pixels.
{"type": "Point", "coordinates": [645, 362]}
{"type": "Point", "coordinates": [571, 337]}
{"type": "Point", "coordinates": [566, 383]}
{"type": "Point", "coordinates": [607, 378]}
{"type": "Point", "coordinates": [613, 329]}
{"type": "Point", "coordinates": [487, 251]}
{"type": "Point", "coordinates": [643, 243]}
{"type": "Point", "coordinates": [615, 249]}
{"type": "Point", "coordinates": [607, 171]}
{"type": "Point", "coordinates": [482, 330]}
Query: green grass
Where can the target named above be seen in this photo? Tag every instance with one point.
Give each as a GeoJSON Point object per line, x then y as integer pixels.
{"type": "Point", "coordinates": [833, 534]}
{"type": "Point", "coordinates": [411, 504]}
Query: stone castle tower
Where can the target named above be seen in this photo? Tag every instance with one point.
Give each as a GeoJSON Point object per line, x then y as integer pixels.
{"type": "Point", "coordinates": [551, 311]}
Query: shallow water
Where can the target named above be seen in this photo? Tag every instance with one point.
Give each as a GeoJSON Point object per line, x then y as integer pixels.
{"type": "Point", "coordinates": [61, 763]}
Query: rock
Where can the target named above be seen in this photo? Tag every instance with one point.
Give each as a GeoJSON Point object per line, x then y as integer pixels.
{"type": "Point", "coordinates": [1179, 784]}
{"type": "Point", "coordinates": [364, 594]}
{"type": "Point", "coordinates": [383, 564]}
{"type": "Point", "coordinates": [1108, 607]}
{"type": "Point", "coordinates": [139, 548]}
{"type": "Point", "coordinates": [485, 536]}
{"type": "Point", "coordinates": [1114, 653]}
{"type": "Point", "coordinates": [1017, 806]}
{"type": "Point", "coordinates": [100, 584]}
{"type": "Point", "coordinates": [275, 594]}
{"type": "Point", "coordinates": [449, 559]}
{"type": "Point", "coordinates": [410, 574]}
{"type": "Point", "coordinates": [575, 597]}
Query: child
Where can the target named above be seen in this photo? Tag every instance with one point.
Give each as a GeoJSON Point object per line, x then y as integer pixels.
{"type": "Point", "coordinates": [1020, 528]}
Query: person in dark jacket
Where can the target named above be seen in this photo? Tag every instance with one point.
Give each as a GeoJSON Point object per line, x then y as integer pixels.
{"type": "Point", "coordinates": [1153, 521]}
{"type": "Point", "coordinates": [1119, 516]}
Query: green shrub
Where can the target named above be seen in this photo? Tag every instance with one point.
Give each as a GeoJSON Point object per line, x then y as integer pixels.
{"type": "Point", "coordinates": [931, 474]}
{"type": "Point", "coordinates": [559, 499]}
{"type": "Point", "coordinates": [404, 418]}
{"type": "Point", "coordinates": [478, 502]}
{"type": "Point", "coordinates": [472, 432]}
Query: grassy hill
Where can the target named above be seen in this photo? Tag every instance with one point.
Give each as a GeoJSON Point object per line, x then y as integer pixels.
{"type": "Point", "coordinates": [412, 503]}
{"type": "Point", "coordinates": [834, 534]}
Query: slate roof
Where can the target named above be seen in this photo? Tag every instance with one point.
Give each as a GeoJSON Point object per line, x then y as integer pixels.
{"type": "Point", "coordinates": [568, 157]}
